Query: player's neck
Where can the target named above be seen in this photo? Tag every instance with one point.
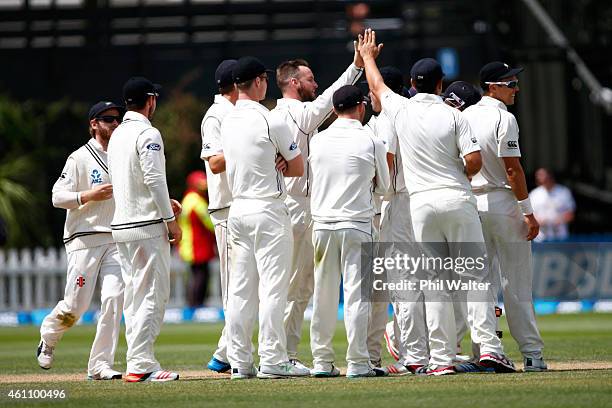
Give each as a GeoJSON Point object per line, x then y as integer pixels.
{"type": "Point", "coordinates": [102, 142]}
{"type": "Point", "coordinates": [292, 94]}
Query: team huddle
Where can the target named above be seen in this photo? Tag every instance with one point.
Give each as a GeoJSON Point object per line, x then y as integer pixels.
{"type": "Point", "coordinates": [292, 210]}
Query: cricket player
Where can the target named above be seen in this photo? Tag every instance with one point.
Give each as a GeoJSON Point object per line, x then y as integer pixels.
{"type": "Point", "coordinates": [144, 226]}
{"type": "Point", "coordinates": [84, 190]}
{"type": "Point", "coordinates": [218, 190]}
{"type": "Point", "coordinates": [387, 224]}
{"type": "Point", "coordinates": [258, 225]}
{"type": "Point", "coordinates": [432, 138]}
{"type": "Point", "coordinates": [303, 111]}
{"type": "Point", "coordinates": [504, 206]}
{"type": "Point", "coordinates": [348, 165]}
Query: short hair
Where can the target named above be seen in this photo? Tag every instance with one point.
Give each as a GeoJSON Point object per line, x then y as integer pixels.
{"type": "Point", "coordinates": [287, 70]}
{"type": "Point", "coordinates": [224, 90]}
{"type": "Point", "coordinates": [484, 86]}
{"type": "Point", "coordinates": [426, 87]}
{"type": "Point", "coordinates": [137, 105]}
{"type": "Point", "coordinates": [346, 110]}
{"type": "Point", "coordinates": [92, 133]}
{"type": "Point", "coordinates": [243, 86]}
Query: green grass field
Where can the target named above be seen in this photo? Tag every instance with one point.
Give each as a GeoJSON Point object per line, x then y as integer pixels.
{"type": "Point", "coordinates": [579, 347]}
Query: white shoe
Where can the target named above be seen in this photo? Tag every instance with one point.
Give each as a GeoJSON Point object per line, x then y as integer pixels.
{"type": "Point", "coordinates": [106, 374]}
{"type": "Point", "coordinates": [437, 370]}
{"type": "Point", "coordinates": [297, 363]}
{"type": "Point", "coordinates": [155, 376]}
{"type": "Point", "coordinates": [44, 354]}
{"type": "Point", "coordinates": [324, 370]}
{"type": "Point", "coordinates": [282, 370]}
{"type": "Point", "coordinates": [244, 374]}
{"type": "Point", "coordinates": [534, 364]}
{"type": "Point", "coordinates": [400, 369]}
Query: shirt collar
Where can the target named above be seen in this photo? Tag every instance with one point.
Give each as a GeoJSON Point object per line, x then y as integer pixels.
{"type": "Point", "coordinates": [426, 97]}
{"type": "Point", "coordinates": [288, 102]}
{"type": "Point", "coordinates": [96, 144]}
{"type": "Point", "coordinates": [488, 101]}
{"type": "Point", "coordinates": [347, 123]}
{"type": "Point", "coordinates": [132, 115]}
{"type": "Point", "coordinates": [222, 100]}
{"type": "Point", "coordinates": [248, 103]}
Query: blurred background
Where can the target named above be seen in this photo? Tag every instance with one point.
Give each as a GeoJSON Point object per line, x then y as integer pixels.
{"type": "Point", "coordinates": [60, 56]}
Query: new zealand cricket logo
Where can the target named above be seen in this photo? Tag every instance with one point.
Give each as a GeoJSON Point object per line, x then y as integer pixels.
{"type": "Point", "coordinates": [80, 281]}
{"type": "Point", "coordinates": [96, 177]}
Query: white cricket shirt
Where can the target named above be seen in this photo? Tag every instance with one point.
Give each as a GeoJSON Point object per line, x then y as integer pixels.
{"type": "Point", "coordinates": [348, 165]}
{"type": "Point", "coordinates": [498, 134]}
{"type": "Point", "coordinates": [87, 225]}
{"type": "Point", "coordinates": [137, 168]}
{"type": "Point", "coordinates": [433, 138]}
{"type": "Point", "coordinates": [251, 137]}
{"type": "Point", "coordinates": [219, 193]}
{"type": "Point", "coordinates": [303, 118]}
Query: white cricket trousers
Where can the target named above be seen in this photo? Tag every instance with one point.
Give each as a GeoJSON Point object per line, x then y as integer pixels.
{"type": "Point", "coordinates": [395, 227]}
{"type": "Point", "coordinates": [261, 245]}
{"type": "Point", "coordinates": [505, 238]}
{"type": "Point", "coordinates": [450, 215]}
{"type": "Point", "coordinates": [219, 219]}
{"type": "Point", "coordinates": [339, 258]}
{"type": "Point", "coordinates": [145, 265]}
{"type": "Point", "coordinates": [301, 283]}
{"type": "Point", "coordinates": [84, 268]}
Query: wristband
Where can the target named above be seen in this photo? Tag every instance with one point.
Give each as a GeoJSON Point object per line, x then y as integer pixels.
{"type": "Point", "coordinates": [525, 205]}
{"type": "Point", "coordinates": [79, 202]}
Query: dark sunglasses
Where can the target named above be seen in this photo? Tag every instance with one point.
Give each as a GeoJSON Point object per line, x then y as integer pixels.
{"type": "Point", "coordinates": [510, 84]}
{"type": "Point", "coordinates": [109, 119]}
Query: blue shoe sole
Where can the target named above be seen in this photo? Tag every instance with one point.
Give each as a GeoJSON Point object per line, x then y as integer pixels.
{"type": "Point", "coordinates": [218, 366]}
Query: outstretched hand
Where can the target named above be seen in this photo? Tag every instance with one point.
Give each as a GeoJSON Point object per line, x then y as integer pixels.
{"type": "Point", "coordinates": [367, 45]}
{"type": "Point", "coordinates": [357, 59]}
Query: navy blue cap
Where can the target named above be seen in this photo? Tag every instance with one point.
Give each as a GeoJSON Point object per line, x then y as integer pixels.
{"type": "Point", "coordinates": [103, 106]}
{"type": "Point", "coordinates": [248, 68]}
{"type": "Point", "coordinates": [347, 97]}
{"type": "Point", "coordinates": [462, 93]}
{"type": "Point", "coordinates": [392, 77]}
{"type": "Point", "coordinates": [426, 71]}
{"type": "Point", "coordinates": [223, 74]}
{"type": "Point", "coordinates": [496, 71]}
{"type": "Point", "coordinates": [138, 89]}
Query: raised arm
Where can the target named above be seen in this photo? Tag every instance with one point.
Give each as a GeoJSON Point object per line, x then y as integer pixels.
{"type": "Point", "coordinates": [369, 51]}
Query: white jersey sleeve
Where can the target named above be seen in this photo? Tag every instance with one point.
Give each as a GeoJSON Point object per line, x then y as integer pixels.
{"type": "Point", "coordinates": [281, 137]}
{"type": "Point", "coordinates": [507, 137]}
{"type": "Point", "coordinates": [65, 194]}
{"type": "Point", "coordinates": [383, 179]}
{"type": "Point", "coordinates": [392, 104]}
{"type": "Point", "coordinates": [150, 147]}
{"type": "Point", "coordinates": [211, 137]}
{"type": "Point", "coordinates": [466, 140]}
{"type": "Point", "coordinates": [317, 111]}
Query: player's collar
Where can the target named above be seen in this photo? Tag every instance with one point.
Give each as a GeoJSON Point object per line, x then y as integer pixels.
{"type": "Point", "coordinates": [347, 123]}
{"type": "Point", "coordinates": [222, 99]}
{"type": "Point", "coordinates": [288, 101]}
{"type": "Point", "coordinates": [248, 103]}
{"type": "Point", "coordinates": [132, 115]}
{"type": "Point", "coordinates": [94, 143]}
{"type": "Point", "coordinates": [426, 97]}
{"type": "Point", "coordinates": [488, 101]}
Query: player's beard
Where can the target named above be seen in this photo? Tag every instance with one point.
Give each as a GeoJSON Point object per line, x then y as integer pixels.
{"type": "Point", "coordinates": [306, 96]}
{"type": "Point", "coordinates": [104, 134]}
